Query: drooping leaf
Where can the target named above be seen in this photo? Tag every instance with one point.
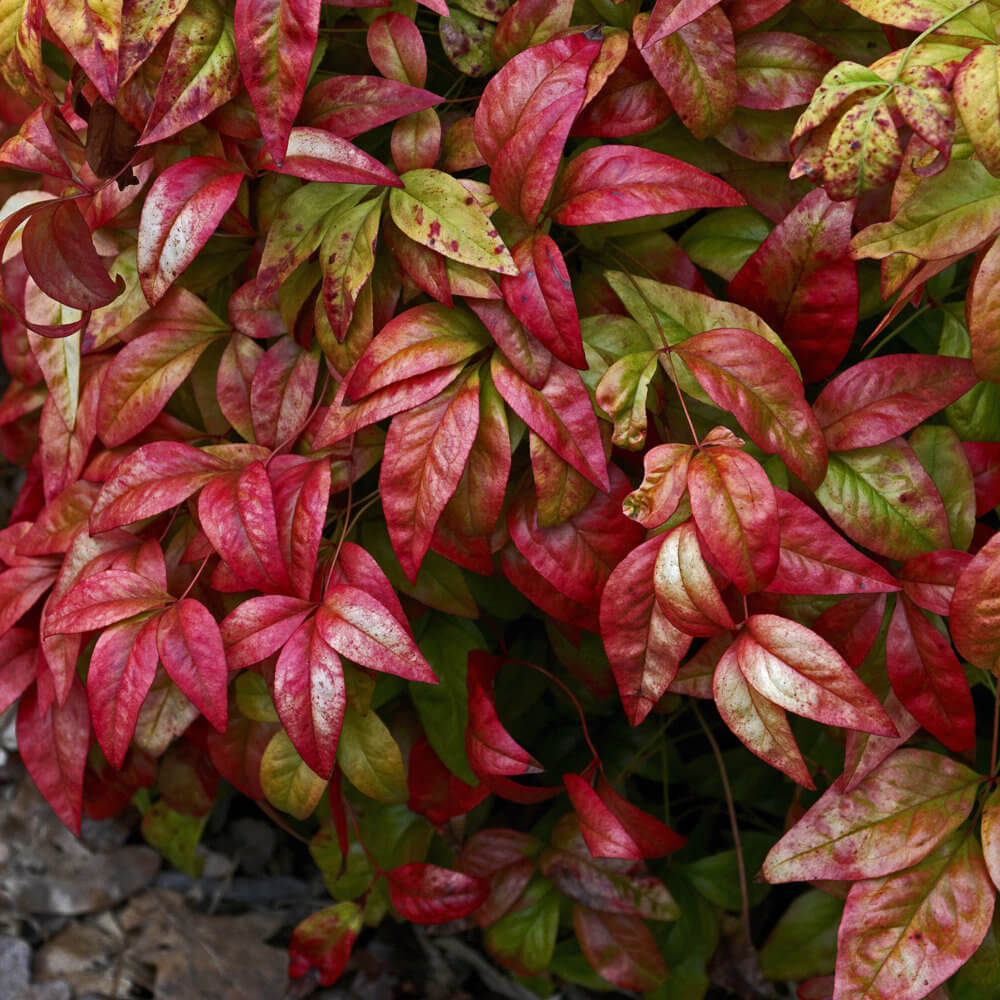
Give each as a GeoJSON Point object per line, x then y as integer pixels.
{"type": "Point", "coordinates": [906, 933]}
{"type": "Point", "coordinates": [275, 40]}
{"type": "Point", "coordinates": [287, 781]}
{"type": "Point", "coordinates": [181, 211]}
{"type": "Point", "coordinates": [429, 894]}
{"type": "Point", "coordinates": [892, 819]}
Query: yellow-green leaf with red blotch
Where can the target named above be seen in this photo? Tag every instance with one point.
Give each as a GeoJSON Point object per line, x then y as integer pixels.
{"type": "Point", "coordinates": [903, 935]}
{"type": "Point", "coordinates": [864, 150]}
{"type": "Point", "coordinates": [347, 258]}
{"type": "Point", "coordinates": [952, 17]}
{"type": "Point", "coordinates": [847, 81]}
{"type": "Point", "coordinates": [370, 758]}
{"type": "Point", "coordinates": [621, 393]}
{"type": "Point", "coordinates": [939, 450]}
{"type": "Point", "coordinates": [926, 104]}
{"type": "Point", "coordinates": [91, 31]}
{"type": "Point", "coordinates": [435, 210]}
{"type": "Point", "coordinates": [144, 23]}
{"type": "Point", "coordinates": [288, 782]}
{"type": "Point", "coordinates": [882, 498]}
{"type": "Point", "coordinates": [982, 313]}
{"type": "Point", "coordinates": [890, 820]}
{"type": "Point", "coordinates": [696, 66]}
{"type": "Point", "coordinates": [201, 71]}
{"type": "Point", "coordinates": [951, 213]}
{"type": "Point", "coordinates": [977, 96]}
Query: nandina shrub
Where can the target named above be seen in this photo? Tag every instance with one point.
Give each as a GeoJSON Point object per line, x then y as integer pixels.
{"type": "Point", "coordinates": [413, 400]}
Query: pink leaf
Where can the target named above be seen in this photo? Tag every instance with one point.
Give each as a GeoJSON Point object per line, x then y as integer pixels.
{"type": "Point", "coordinates": [346, 106]}
{"type": "Point", "coordinates": [620, 948]}
{"type": "Point", "coordinates": [317, 155]}
{"type": "Point", "coordinates": [281, 392]}
{"type": "Point", "coordinates": [301, 491]}
{"type": "Point", "coordinates": [324, 941]}
{"type": "Point", "coordinates": [105, 598]}
{"type": "Point", "coordinates": [259, 627]}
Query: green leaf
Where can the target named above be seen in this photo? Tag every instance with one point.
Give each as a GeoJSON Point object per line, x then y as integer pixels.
{"type": "Point", "coordinates": [175, 836]}
{"type": "Point", "coordinates": [525, 938]}
{"type": "Point", "coordinates": [253, 698]}
{"type": "Point", "coordinates": [940, 452]}
{"type": "Point", "coordinates": [436, 210]}
{"type": "Point", "coordinates": [920, 15]}
{"type": "Point", "coordinates": [288, 782]}
{"type": "Point", "coordinates": [724, 240]}
{"type": "Point", "coordinates": [444, 707]}
{"type": "Point", "coordinates": [370, 758]}
{"type": "Point", "coordinates": [981, 973]}
{"type": "Point", "coordinates": [804, 941]}
{"type": "Point", "coordinates": [882, 498]}
{"type": "Point", "coordinates": [976, 415]}
{"type": "Point", "coordinates": [622, 395]}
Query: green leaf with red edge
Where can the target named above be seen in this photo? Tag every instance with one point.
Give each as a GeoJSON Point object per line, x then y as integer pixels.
{"type": "Point", "coordinates": [104, 598]}
{"type": "Point", "coordinates": [882, 498]}
{"type": "Point", "coordinates": [945, 215]}
{"type": "Point", "coordinates": [928, 678]}
{"type": "Point", "coordinates": [428, 894]}
{"type": "Point", "coordinates": [662, 486]}
{"type": "Point", "coordinates": [747, 376]}
{"type": "Point", "coordinates": [370, 758]}
{"type": "Point", "coordinates": [795, 668]}
{"type": "Point", "coordinates": [686, 591]}
{"type": "Point", "coordinates": [975, 608]}
{"type": "Point", "coordinates": [362, 628]}
{"type": "Point", "coordinates": [346, 106]}
{"type": "Point", "coordinates": [237, 514]}
{"type": "Point", "coordinates": [52, 741]}
{"type": "Point", "coordinates": [310, 696]}
{"type": "Point", "coordinates": [201, 73]}
{"type": "Point", "coordinates": [426, 449]}
{"type": "Point", "coordinates": [323, 942]}
{"type": "Point", "coordinates": [525, 115]}
{"type": "Point", "coordinates": [735, 510]}
{"type": "Point", "coordinates": [876, 400]}
{"type": "Point", "coordinates": [181, 211]}
{"type": "Point", "coordinates": [777, 69]}
{"type": "Point", "coordinates": [59, 254]}
{"type": "Point", "coordinates": [578, 555]}
{"type": "Point", "coordinates": [317, 155]}
{"type": "Point", "coordinates": [759, 723]}
{"type": "Point", "coordinates": [122, 668]}
{"type": "Point", "coordinates": [892, 819]}
{"type": "Point", "coordinates": [902, 935]}
{"type": "Point", "coordinates": [620, 948]}
{"type": "Point", "coordinates": [276, 40]}
{"type": "Point", "coordinates": [191, 650]}
{"type": "Point", "coordinates": [397, 49]}
{"type": "Point", "coordinates": [982, 313]}
{"type": "Point", "coordinates": [91, 31]}
{"type": "Point", "coordinates": [436, 210]}
{"type": "Point", "coordinates": [614, 183]}
{"type": "Point", "coordinates": [696, 66]}
{"type": "Point", "coordinates": [802, 281]}
{"type": "Point", "coordinates": [815, 559]}
{"type": "Point", "coordinates": [643, 646]}
{"type": "Point", "coordinates": [559, 411]}
{"type": "Point", "coordinates": [541, 297]}
{"type": "Point", "coordinates": [489, 747]}
{"type": "Point", "coordinates": [146, 372]}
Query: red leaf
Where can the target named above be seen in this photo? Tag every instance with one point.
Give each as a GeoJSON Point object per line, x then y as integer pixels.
{"type": "Point", "coordinates": [397, 49]}
{"type": "Point", "coordinates": [663, 484]}
{"type": "Point", "coordinates": [488, 745]}
{"type": "Point", "coordinates": [310, 696]}
{"type": "Point", "coordinates": [324, 941]}
{"type": "Point", "coordinates": [578, 555]}
{"type": "Point", "coordinates": [803, 282]}
{"type": "Point", "coordinates": [364, 630]}
{"type": "Point", "coordinates": [357, 568]}
{"type": "Point", "coordinates": [541, 592]}
{"type": "Point", "coordinates": [685, 589]}
{"type": "Point", "coordinates": [644, 648]}
{"type": "Point", "coordinates": [428, 894]}
{"type": "Point", "coordinates": [59, 254]}
{"type": "Point", "coordinates": [261, 626]}
{"type": "Point", "coordinates": [181, 211]}
{"type": "Point", "coordinates": [192, 653]}
{"type": "Point", "coordinates": [301, 496]}
{"type": "Point", "coordinates": [53, 743]}
{"type": "Point", "coordinates": [929, 579]}
{"type": "Point", "coordinates": [793, 667]}
{"type": "Point", "coordinates": [122, 668]}
{"type": "Point", "coordinates": [975, 609]}
{"type": "Point", "coordinates": [105, 598]}
{"type": "Point", "coordinates": [815, 559]}
{"type": "Point", "coordinates": [236, 754]}
{"type": "Point", "coordinates": [756, 720]}
{"type": "Point", "coordinates": [20, 587]}
{"type": "Point", "coordinates": [237, 514]}
{"type": "Point", "coordinates": [751, 378]}
{"type": "Point", "coordinates": [612, 183]}
{"type": "Point", "coordinates": [426, 450]}
{"type": "Point", "coordinates": [668, 16]}
{"type": "Point", "coordinates": [559, 412]}
{"type": "Point", "coordinates": [525, 115]}
{"type": "Point", "coordinates": [18, 664]}
{"type": "Point", "coordinates": [346, 106]}
{"type": "Point", "coordinates": [863, 752]}
{"type": "Point", "coordinates": [541, 297]}
{"type": "Point", "coordinates": [620, 948]}
{"type": "Point", "coordinates": [281, 392]}
{"type": "Point", "coordinates": [734, 507]}
{"type": "Point", "coordinates": [778, 69]}
{"type": "Point", "coordinates": [928, 679]}
{"type": "Point", "coordinates": [317, 155]}
{"type": "Point", "coordinates": [434, 791]}
{"type": "Point", "coordinates": [275, 40]}
{"type": "Point", "coordinates": [984, 460]}
{"type": "Point", "coordinates": [876, 400]}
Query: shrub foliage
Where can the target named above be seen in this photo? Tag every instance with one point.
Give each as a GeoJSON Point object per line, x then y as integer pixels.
{"type": "Point", "coordinates": [418, 399]}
